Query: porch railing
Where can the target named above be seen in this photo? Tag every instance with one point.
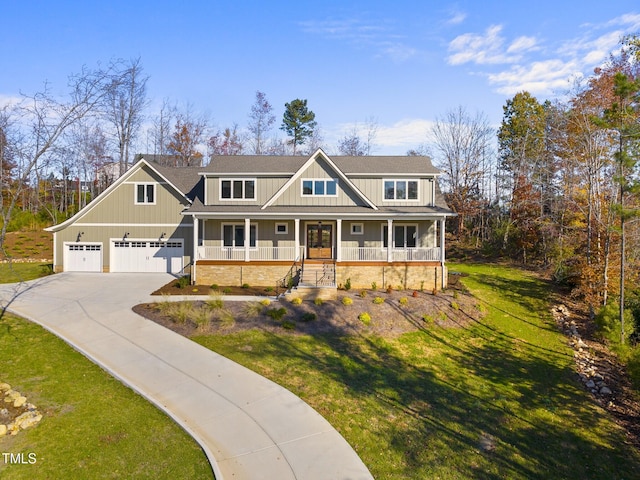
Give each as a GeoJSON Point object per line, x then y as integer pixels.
{"type": "Point", "coordinates": [348, 254]}
{"type": "Point", "coordinates": [377, 254]}
{"type": "Point", "coordinates": [255, 253]}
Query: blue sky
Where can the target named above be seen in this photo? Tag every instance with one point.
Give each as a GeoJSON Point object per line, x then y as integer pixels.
{"type": "Point", "coordinates": [403, 63]}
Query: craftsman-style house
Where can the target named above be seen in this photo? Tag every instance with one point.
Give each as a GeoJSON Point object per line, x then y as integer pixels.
{"type": "Point", "coordinates": [258, 220]}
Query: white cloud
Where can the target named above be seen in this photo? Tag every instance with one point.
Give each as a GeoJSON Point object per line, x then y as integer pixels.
{"type": "Point", "coordinates": [456, 18]}
{"type": "Point", "coordinates": [485, 49]}
{"type": "Point", "coordinates": [541, 77]}
{"type": "Point", "coordinates": [522, 44]}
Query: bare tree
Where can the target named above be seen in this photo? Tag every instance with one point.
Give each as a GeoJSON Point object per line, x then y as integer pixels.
{"type": "Point", "coordinates": [188, 139]}
{"type": "Point", "coordinates": [125, 102]}
{"type": "Point", "coordinates": [226, 142]}
{"type": "Point", "coordinates": [161, 130]}
{"type": "Point", "coordinates": [44, 119]}
{"type": "Point", "coordinates": [260, 123]}
{"type": "Point", "coordinates": [462, 142]}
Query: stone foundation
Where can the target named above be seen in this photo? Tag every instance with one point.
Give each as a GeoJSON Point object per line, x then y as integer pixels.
{"type": "Point", "coordinates": [256, 274]}
{"type": "Point", "coordinates": [406, 275]}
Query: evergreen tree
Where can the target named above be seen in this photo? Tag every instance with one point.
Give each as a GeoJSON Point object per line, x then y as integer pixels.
{"type": "Point", "coordinates": [298, 122]}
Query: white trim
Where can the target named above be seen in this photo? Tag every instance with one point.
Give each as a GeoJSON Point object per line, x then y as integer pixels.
{"type": "Point", "coordinates": [100, 198]}
{"type": "Point", "coordinates": [282, 224]}
{"type": "Point", "coordinates": [145, 185]}
{"type": "Point", "coordinates": [395, 181]}
{"type": "Point", "coordinates": [233, 240]}
{"type": "Point", "coordinates": [176, 225]}
{"type": "Point", "coordinates": [239, 179]}
{"type": "Point", "coordinates": [357, 224]}
{"type": "Point", "coordinates": [313, 187]}
{"type": "Point", "coordinates": [306, 165]}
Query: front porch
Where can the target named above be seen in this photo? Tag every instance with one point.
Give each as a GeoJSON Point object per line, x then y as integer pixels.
{"type": "Point", "coordinates": [264, 252]}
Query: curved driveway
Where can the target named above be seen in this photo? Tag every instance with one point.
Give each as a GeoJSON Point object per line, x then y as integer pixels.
{"type": "Point", "coordinates": [249, 427]}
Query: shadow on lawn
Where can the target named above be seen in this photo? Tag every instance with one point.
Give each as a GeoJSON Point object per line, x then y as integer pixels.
{"type": "Point", "coordinates": [491, 409]}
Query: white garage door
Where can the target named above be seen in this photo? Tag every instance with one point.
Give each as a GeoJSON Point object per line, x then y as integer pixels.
{"type": "Point", "coordinates": [147, 256]}
{"type": "Point", "coordinates": [82, 257]}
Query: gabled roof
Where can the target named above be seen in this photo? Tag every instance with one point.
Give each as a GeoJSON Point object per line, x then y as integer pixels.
{"type": "Point", "coordinates": [289, 164]}
{"type": "Point", "coordinates": [314, 158]}
{"type": "Point", "coordinates": [136, 167]}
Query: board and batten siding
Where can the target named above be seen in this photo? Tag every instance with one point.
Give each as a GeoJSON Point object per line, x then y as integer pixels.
{"type": "Point", "coordinates": [373, 189]}
{"type": "Point", "coordinates": [266, 187]}
{"type": "Point", "coordinates": [105, 234]}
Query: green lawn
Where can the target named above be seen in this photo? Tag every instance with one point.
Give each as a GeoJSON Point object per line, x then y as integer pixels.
{"type": "Point", "coordinates": [93, 426]}
{"type": "Point", "coordinates": [495, 399]}
{"type": "Point", "coordinates": [22, 272]}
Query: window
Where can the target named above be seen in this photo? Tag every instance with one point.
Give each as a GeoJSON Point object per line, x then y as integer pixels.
{"type": "Point", "coordinates": [320, 187]}
{"type": "Point", "coordinates": [404, 236]}
{"type": "Point", "coordinates": [282, 228]}
{"type": "Point", "coordinates": [232, 189]}
{"type": "Point", "coordinates": [233, 235]}
{"type": "Point", "coordinates": [357, 229]}
{"type": "Point", "coordinates": [145, 193]}
{"type": "Point", "coordinates": [401, 190]}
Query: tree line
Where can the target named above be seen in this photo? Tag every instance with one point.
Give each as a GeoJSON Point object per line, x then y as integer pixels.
{"type": "Point", "coordinates": [562, 191]}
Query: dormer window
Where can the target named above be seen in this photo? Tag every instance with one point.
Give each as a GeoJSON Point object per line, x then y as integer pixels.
{"type": "Point", "coordinates": [237, 189]}
{"type": "Point", "coordinates": [322, 187]}
{"type": "Point", "coordinates": [401, 190]}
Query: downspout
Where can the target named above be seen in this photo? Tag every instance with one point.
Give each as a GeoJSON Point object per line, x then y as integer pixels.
{"type": "Point", "coordinates": [194, 253]}
{"type": "Point", "coordinates": [442, 255]}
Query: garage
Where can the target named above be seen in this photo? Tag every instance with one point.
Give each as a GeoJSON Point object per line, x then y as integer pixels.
{"type": "Point", "coordinates": [147, 256]}
{"type": "Point", "coordinates": [82, 257]}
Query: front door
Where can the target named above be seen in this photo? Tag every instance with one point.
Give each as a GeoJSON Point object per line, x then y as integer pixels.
{"type": "Point", "coordinates": [319, 240]}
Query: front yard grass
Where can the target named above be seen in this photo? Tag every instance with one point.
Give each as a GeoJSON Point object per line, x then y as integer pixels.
{"type": "Point", "coordinates": [494, 398]}
{"type": "Point", "coordinates": [21, 272]}
{"type": "Point", "coordinates": [93, 427]}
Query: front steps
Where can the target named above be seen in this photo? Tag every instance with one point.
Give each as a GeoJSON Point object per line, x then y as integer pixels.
{"type": "Point", "coordinates": [318, 274]}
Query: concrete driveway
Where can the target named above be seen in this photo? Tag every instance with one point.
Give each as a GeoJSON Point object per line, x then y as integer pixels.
{"type": "Point", "coordinates": [249, 427]}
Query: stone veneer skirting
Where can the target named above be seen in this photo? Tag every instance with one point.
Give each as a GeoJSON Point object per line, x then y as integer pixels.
{"type": "Point", "coordinates": [407, 275]}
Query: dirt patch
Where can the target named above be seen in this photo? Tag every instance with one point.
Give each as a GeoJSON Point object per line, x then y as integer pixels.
{"type": "Point", "coordinates": [36, 245]}
{"type": "Point", "coordinates": [395, 313]}
{"type": "Point", "coordinates": [174, 288]}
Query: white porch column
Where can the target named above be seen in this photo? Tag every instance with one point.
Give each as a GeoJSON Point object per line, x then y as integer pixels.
{"type": "Point", "coordinates": [296, 234]}
{"type": "Point", "coordinates": [194, 255]}
{"type": "Point", "coordinates": [339, 240]}
{"type": "Point", "coordinates": [247, 238]}
{"type": "Point", "coordinates": [442, 222]}
{"type": "Point", "coordinates": [390, 240]}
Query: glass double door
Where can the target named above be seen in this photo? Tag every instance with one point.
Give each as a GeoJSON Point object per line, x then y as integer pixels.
{"type": "Point", "coordinates": [319, 240]}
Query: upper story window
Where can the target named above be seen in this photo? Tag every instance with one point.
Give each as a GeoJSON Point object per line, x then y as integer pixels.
{"type": "Point", "coordinates": [401, 189]}
{"type": "Point", "coordinates": [146, 193]}
{"type": "Point", "coordinates": [325, 187]}
{"type": "Point", "coordinates": [237, 189]}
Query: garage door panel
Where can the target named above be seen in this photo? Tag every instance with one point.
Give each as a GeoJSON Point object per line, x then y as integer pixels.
{"type": "Point", "coordinates": [147, 256]}
{"type": "Point", "coordinates": [82, 257]}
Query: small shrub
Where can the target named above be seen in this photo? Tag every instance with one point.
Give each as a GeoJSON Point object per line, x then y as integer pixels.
{"type": "Point", "coordinates": [442, 316]}
{"type": "Point", "coordinates": [296, 300]}
{"type": "Point", "coordinates": [214, 302]}
{"type": "Point", "coordinates": [456, 295]}
{"type": "Point", "coordinates": [427, 318]}
{"type": "Point", "coordinates": [414, 294]}
{"type": "Point", "coordinates": [455, 306]}
{"type": "Point", "coordinates": [265, 302]}
{"type": "Point", "coordinates": [389, 289]}
{"type": "Point", "coordinates": [215, 286]}
{"type": "Point", "coordinates": [378, 300]}
{"type": "Point", "coordinates": [268, 289]}
{"type": "Point", "coordinates": [435, 291]}
{"type": "Point", "coordinates": [182, 312]}
{"type": "Point", "coordinates": [309, 317]}
{"type": "Point", "coordinates": [374, 286]}
{"type": "Point", "coordinates": [182, 282]}
{"type": "Point", "coordinates": [363, 294]}
{"type": "Point", "coordinates": [245, 285]}
{"type": "Point", "coordinates": [226, 318]}
{"type": "Point", "coordinates": [288, 325]}
{"type": "Point", "coordinates": [365, 318]}
{"type": "Point", "coordinates": [404, 301]}
{"type": "Point", "coordinates": [201, 317]}
{"type": "Point", "coordinates": [318, 301]}
{"type": "Point", "coordinates": [276, 313]}
{"type": "Point", "coordinates": [252, 309]}
{"type": "Point", "coordinates": [422, 285]}
{"type": "Point", "coordinates": [226, 290]}
{"type": "Point", "coordinates": [347, 284]}
{"type": "Point", "coordinates": [347, 301]}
